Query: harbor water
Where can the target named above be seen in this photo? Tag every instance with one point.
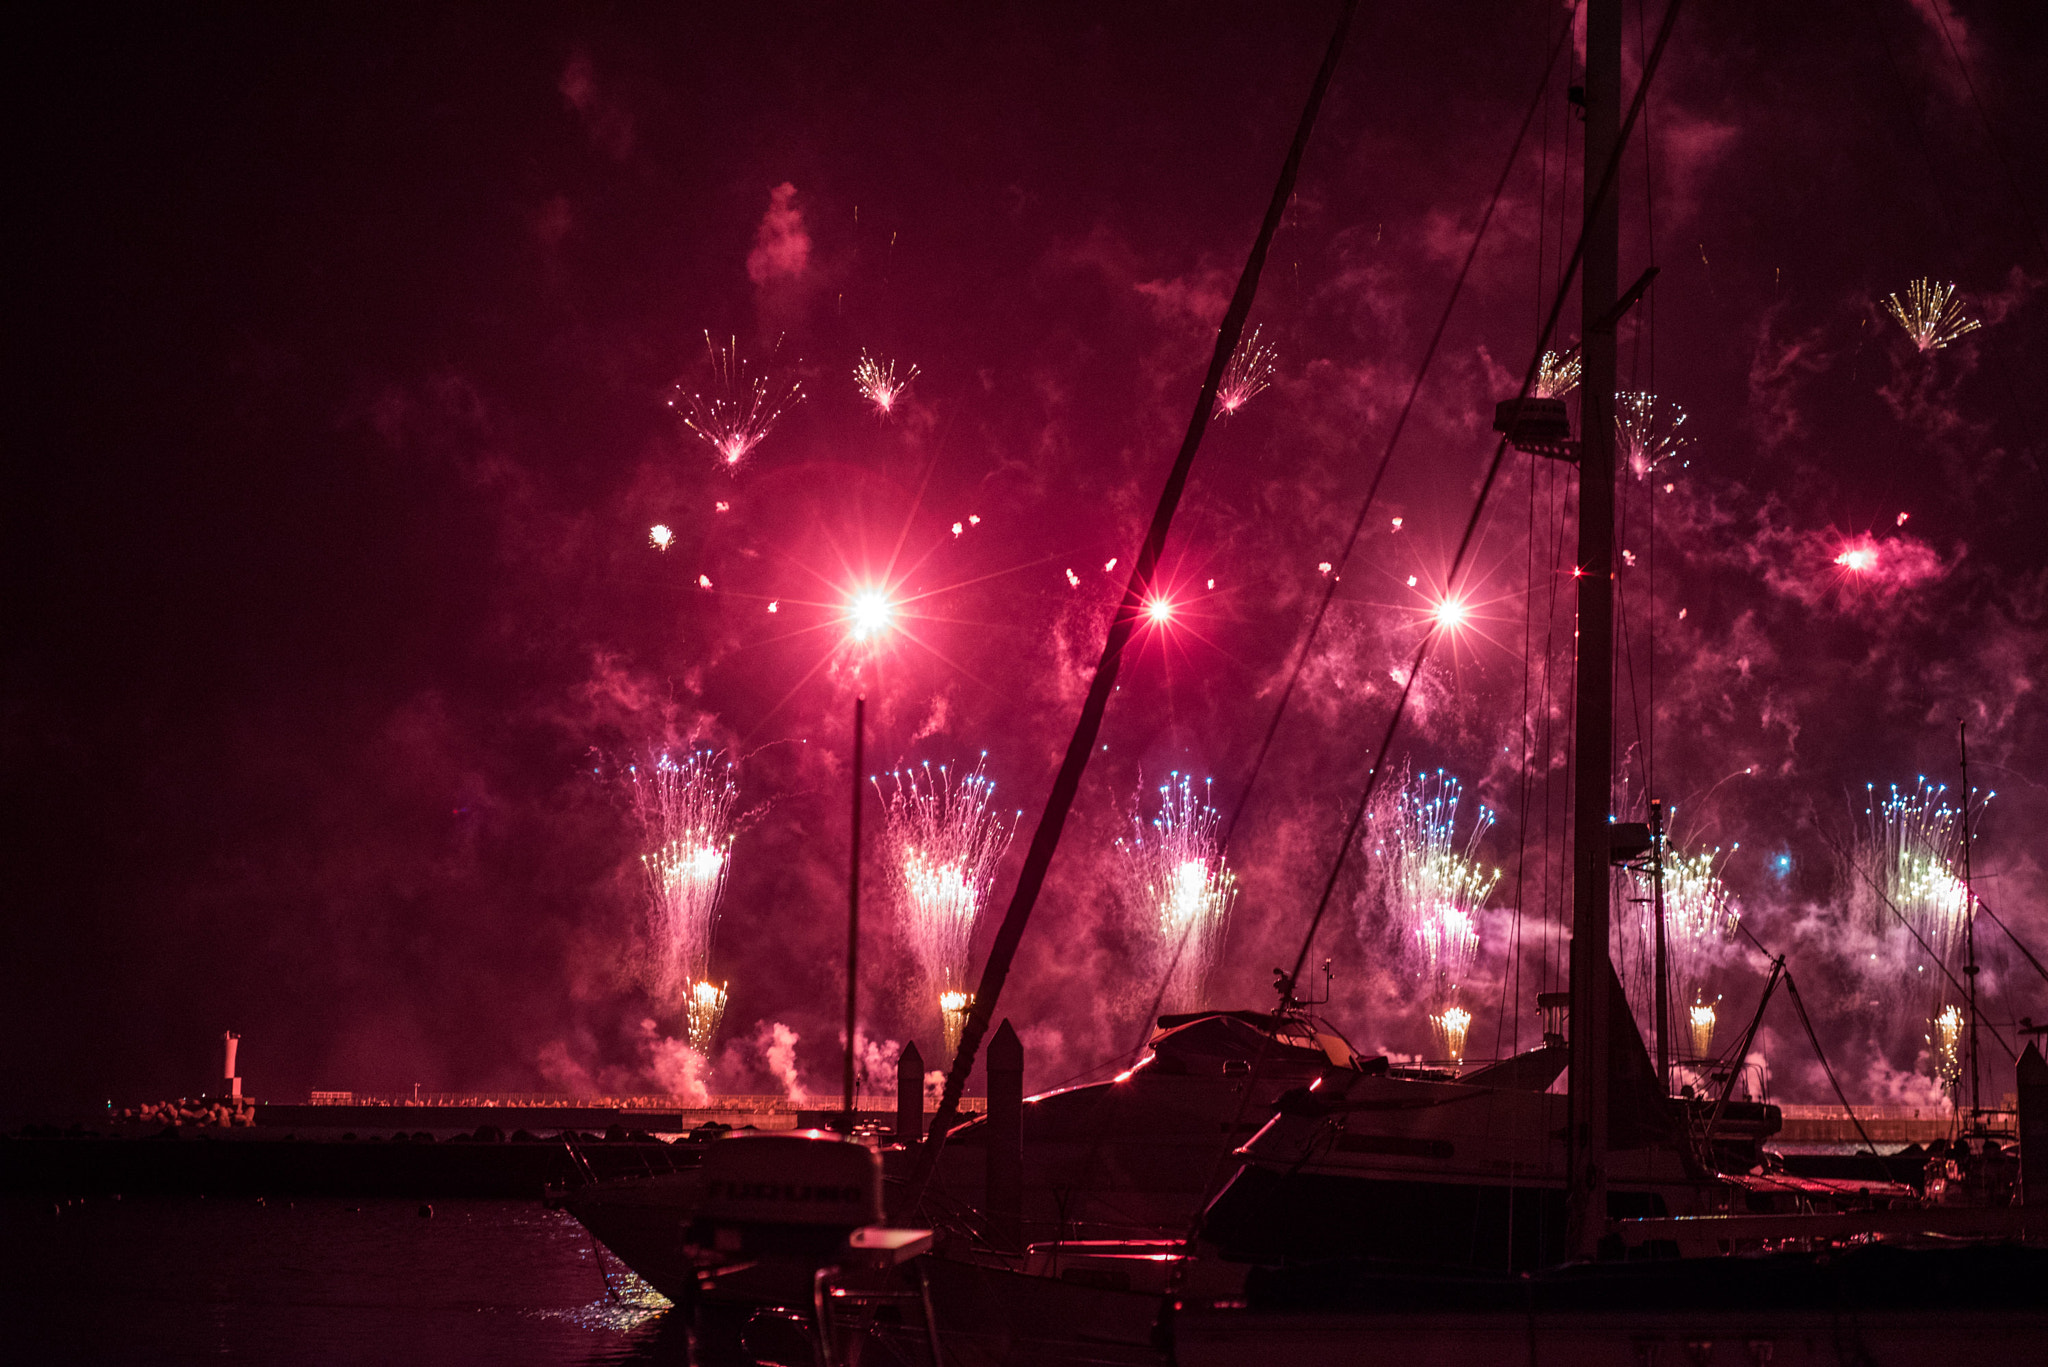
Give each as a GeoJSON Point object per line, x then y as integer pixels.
{"type": "Point", "coordinates": [173, 1280]}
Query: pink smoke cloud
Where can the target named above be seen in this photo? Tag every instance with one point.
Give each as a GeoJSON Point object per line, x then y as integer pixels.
{"type": "Point", "coordinates": [675, 1067]}
{"type": "Point", "coordinates": [777, 1043]}
{"type": "Point", "coordinates": [607, 123]}
{"type": "Point", "coordinates": [782, 245]}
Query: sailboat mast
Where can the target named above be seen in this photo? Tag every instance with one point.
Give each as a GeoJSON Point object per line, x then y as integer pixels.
{"type": "Point", "coordinates": [1594, 701]}
{"type": "Point", "coordinates": [1969, 922]}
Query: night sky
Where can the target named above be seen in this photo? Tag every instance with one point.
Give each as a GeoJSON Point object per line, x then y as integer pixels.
{"type": "Point", "coordinates": [344, 354]}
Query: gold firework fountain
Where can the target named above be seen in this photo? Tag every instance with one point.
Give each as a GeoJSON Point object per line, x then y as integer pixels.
{"type": "Point", "coordinates": [1946, 1044]}
{"type": "Point", "coordinates": [1650, 432]}
{"type": "Point", "coordinates": [707, 1009]}
{"type": "Point", "coordinates": [1931, 315]}
{"type": "Point", "coordinates": [1556, 375]}
{"type": "Point", "coordinates": [739, 409]}
{"type": "Point", "coordinates": [684, 804]}
{"type": "Point", "coordinates": [1701, 1021]}
{"type": "Point", "coordinates": [953, 1008]}
{"type": "Point", "coordinates": [943, 837]}
{"type": "Point", "coordinates": [1449, 1026]}
{"type": "Point", "coordinates": [879, 385]}
{"type": "Point", "coordinates": [1247, 375]}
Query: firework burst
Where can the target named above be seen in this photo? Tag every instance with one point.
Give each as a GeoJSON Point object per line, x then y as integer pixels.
{"type": "Point", "coordinates": [878, 384]}
{"type": "Point", "coordinates": [1907, 857]}
{"type": "Point", "coordinates": [1700, 915]}
{"type": "Point", "coordinates": [1556, 375]}
{"type": "Point", "coordinates": [1434, 887]}
{"type": "Point", "coordinates": [1909, 849]}
{"type": "Point", "coordinates": [943, 837]}
{"type": "Point", "coordinates": [1180, 889]}
{"type": "Point", "coordinates": [1931, 315]}
{"type": "Point", "coordinates": [1248, 374]}
{"type": "Point", "coordinates": [737, 417]}
{"type": "Point", "coordinates": [684, 805]}
{"type": "Point", "coordinates": [1651, 432]}
{"type": "Point", "coordinates": [660, 536]}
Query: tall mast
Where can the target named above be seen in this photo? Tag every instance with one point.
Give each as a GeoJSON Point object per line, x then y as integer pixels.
{"type": "Point", "coordinates": [1594, 702]}
{"type": "Point", "coordinates": [860, 717]}
{"type": "Point", "coordinates": [1969, 922]}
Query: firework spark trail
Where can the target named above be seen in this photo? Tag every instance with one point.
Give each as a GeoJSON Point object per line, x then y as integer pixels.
{"type": "Point", "coordinates": [1434, 888]}
{"type": "Point", "coordinates": [1556, 376]}
{"type": "Point", "coordinates": [1931, 315]}
{"type": "Point", "coordinates": [736, 418]}
{"type": "Point", "coordinates": [1180, 890]}
{"type": "Point", "coordinates": [943, 837]}
{"type": "Point", "coordinates": [878, 384]}
{"type": "Point", "coordinates": [1248, 373]}
{"type": "Point", "coordinates": [1699, 916]}
{"type": "Point", "coordinates": [685, 810]}
{"type": "Point", "coordinates": [1649, 437]}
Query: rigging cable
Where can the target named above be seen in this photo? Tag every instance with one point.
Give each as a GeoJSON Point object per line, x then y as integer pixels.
{"type": "Point", "coordinates": [1454, 578]}
{"type": "Point", "coordinates": [1990, 134]}
{"type": "Point", "coordinates": [1918, 939]}
{"type": "Point", "coordinates": [2019, 944]}
{"type": "Point", "coordinates": [1066, 785]}
{"type": "Point", "coordinates": [1336, 574]}
{"type": "Point", "coordinates": [1526, 727]}
{"type": "Point", "coordinates": [1812, 1038]}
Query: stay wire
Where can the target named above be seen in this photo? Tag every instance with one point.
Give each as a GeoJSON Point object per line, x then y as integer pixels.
{"type": "Point", "coordinates": [1464, 546]}
{"type": "Point", "coordinates": [2018, 943]}
{"type": "Point", "coordinates": [1511, 980]}
{"type": "Point", "coordinates": [1991, 133]}
{"type": "Point", "coordinates": [1066, 784]}
{"type": "Point", "coordinates": [1453, 580]}
{"type": "Point", "coordinates": [1920, 940]}
{"type": "Point", "coordinates": [1561, 960]}
{"type": "Point", "coordinates": [1336, 574]}
{"type": "Point", "coordinates": [1799, 1005]}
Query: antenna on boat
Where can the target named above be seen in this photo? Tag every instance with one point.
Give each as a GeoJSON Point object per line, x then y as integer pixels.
{"type": "Point", "coordinates": [860, 711]}
{"type": "Point", "coordinates": [1283, 984]}
{"type": "Point", "coordinates": [1969, 925]}
{"type": "Point", "coordinates": [1663, 1005]}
